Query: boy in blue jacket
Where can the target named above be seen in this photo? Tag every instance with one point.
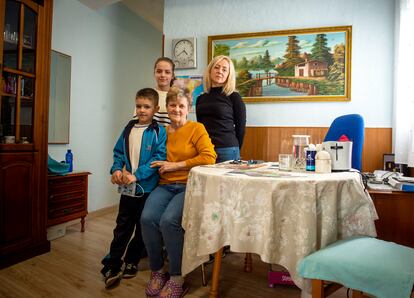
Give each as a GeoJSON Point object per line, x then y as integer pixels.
{"type": "Point", "coordinates": [141, 142]}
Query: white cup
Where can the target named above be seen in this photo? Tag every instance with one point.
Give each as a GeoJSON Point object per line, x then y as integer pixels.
{"type": "Point", "coordinates": [285, 162]}
{"type": "Point", "coordinates": [9, 139]}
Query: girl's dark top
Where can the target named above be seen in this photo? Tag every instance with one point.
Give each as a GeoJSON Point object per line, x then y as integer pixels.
{"type": "Point", "coordinates": [223, 116]}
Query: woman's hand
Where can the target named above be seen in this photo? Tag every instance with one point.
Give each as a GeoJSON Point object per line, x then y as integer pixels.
{"type": "Point", "coordinates": [167, 166]}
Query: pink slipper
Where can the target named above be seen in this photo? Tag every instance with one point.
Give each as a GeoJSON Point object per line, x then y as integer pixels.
{"type": "Point", "coordinates": [173, 290]}
{"type": "Point", "coordinates": [156, 283]}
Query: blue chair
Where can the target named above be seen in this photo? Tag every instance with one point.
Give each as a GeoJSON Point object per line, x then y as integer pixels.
{"type": "Point", "coordinates": [352, 126]}
{"type": "Point", "coordinates": [364, 264]}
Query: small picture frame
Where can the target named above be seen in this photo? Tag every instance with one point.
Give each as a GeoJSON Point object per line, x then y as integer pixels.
{"type": "Point", "coordinates": [27, 41]}
{"type": "Point", "coordinates": [194, 83]}
{"type": "Point", "coordinates": [389, 162]}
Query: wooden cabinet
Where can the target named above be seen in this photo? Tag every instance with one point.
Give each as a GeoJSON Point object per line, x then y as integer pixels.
{"type": "Point", "coordinates": [25, 40]}
{"type": "Point", "coordinates": [17, 214]}
{"type": "Point", "coordinates": [67, 198]}
{"type": "Point", "coordinates": [396, 216]}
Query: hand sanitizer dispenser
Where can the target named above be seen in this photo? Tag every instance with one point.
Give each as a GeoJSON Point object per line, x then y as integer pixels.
{"type": "Point", "coordinates": [322, 161]}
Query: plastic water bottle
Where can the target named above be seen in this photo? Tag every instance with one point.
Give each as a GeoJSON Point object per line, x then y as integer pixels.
{"type": "Point", "coordinates": [69, 159]}
{"type": "Point", "coordinates": [310, 157]}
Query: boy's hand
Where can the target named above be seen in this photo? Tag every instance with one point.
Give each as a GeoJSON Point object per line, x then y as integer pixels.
{"type": "Point", "coordinates": [116, 177]}
{"type": "Point", "coordinates": [128, 178]}
{"type": "Point", "coordinates": [167, 166]}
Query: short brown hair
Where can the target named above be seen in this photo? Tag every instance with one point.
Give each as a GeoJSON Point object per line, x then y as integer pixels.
{"type": "Point", "coordinates": [174, 93]}
{"type": "Point", "coordinates": [150, 94]}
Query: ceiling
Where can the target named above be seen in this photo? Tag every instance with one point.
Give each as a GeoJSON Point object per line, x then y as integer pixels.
{"type": "Point", "coordinates": [151, 11]}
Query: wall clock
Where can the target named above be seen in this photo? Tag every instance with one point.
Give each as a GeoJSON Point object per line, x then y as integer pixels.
{"type": "Point", "coordinates": [184, 52]}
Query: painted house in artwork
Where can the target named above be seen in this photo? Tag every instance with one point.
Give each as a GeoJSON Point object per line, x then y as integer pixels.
{"type": "Point", "coordinates": [311, 68]}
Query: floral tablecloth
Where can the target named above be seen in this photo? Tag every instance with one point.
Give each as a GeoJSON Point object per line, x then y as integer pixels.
{"type": "Point", "coordinates": [282, 217]}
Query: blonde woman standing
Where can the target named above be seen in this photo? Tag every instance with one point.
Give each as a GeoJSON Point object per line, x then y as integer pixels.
{"type": "Point", "coordinates": [221, 109]}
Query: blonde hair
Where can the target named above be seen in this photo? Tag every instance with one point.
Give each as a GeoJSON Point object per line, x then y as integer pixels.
{"type": "Point", "coordinates": [174, 93]}
{"type": "Point", "coordinates": [230, 85]}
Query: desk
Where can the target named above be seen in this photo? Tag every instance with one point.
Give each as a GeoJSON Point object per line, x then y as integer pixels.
{"type": "Point", "coordinates": [395, 211]}
{"type": "Point", "coordinates": [282, 219]}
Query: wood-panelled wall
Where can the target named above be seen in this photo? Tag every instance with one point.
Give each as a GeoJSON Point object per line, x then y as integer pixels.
{"type": "Point", "coordinates": [265, 143]}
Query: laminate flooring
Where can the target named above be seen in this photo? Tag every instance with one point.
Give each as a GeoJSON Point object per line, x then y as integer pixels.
{"type": "Point", "coordinates": [71, 269]}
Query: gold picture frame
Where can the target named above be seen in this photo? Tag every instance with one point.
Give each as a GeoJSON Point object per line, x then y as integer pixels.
{"type": "Point", "coordinates": [303, 65]}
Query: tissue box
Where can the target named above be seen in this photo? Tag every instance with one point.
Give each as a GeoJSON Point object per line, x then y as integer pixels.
{"type": "Point", "coordinates": [56, 231]}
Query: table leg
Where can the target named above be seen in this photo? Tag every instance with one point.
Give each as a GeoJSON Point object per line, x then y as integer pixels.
{"type": "Point", "coordinates": [203, 275]}
{"type": "Point", "coordinates": [83, 224]}
{"type": "Point", "coordinates": [357, 294]}
{"type": "Point", "coordinates": [248, 262]}
{"type": "Point", "coordinates": [317, 288]}
{"type": "Point", "coordinates": [216, 274]}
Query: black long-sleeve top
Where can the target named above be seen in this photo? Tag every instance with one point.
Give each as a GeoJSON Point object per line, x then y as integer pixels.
{"type": "Point", "coordinates": [223, 116]}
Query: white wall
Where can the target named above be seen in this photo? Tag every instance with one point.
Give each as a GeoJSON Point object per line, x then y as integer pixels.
{"type": "Point", "coordinates": [372, 49]}
{"type": "Point", "coordinates": [112, 51]}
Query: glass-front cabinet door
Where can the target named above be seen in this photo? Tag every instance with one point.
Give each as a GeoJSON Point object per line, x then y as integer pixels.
{"type": "Point", "coordinates": [25, 40]}
{"type": "Point", "coordinates": [18, 56]}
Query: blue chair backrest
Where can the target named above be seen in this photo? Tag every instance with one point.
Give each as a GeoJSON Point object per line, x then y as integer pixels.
{"type": "Point", "coordinates": [352, 126]}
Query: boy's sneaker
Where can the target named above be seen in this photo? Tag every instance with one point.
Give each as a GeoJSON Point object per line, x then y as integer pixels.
{"type": "Point", "coordinates": [112, 278]}
{"type": "Point", "coordinates": [104, 270]}
{"type": "Point", "coordinates": [130, 270]}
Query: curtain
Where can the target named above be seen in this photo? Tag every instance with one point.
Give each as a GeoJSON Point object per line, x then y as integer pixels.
{"type": "Point", "coordinates": [404, 83]}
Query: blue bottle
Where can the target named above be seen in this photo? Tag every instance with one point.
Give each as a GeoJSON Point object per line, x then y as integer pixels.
{"type": "Point", "coordinates": [310, 159]}
{"type": "Point", "coordinates": [69, 159]}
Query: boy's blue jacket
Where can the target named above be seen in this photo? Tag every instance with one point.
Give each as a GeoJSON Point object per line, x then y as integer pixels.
{"type": "Point", "coordinates": [152, 148]}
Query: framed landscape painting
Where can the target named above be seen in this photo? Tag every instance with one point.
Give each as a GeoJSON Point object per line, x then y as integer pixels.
{"type": "Point", "coordinates": [290, 65]}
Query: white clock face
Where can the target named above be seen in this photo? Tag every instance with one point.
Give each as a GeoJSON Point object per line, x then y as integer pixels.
{"type": "Point", "coordinates": [184, 53]}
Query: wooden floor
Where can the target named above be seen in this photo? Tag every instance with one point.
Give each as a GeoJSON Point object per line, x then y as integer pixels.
{"type": "Point", "coordinates": [72, 267]}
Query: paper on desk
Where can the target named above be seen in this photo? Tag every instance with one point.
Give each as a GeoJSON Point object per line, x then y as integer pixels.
{"type": "Point", "coordinates": [382, 186]}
